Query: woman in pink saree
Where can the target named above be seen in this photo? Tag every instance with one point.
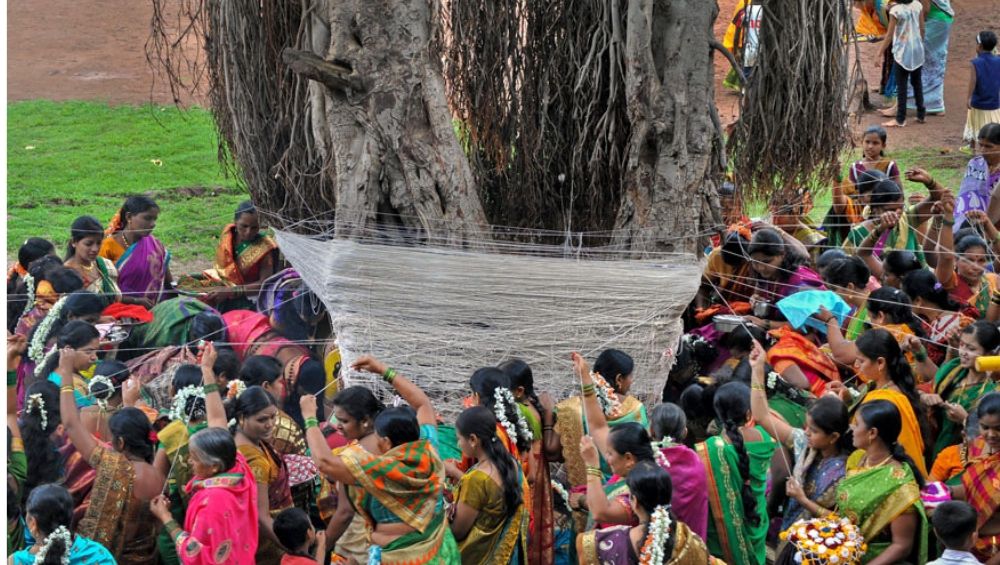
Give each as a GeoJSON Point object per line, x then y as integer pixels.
{"type": "Point", "coordinates": [667, 427]}
{"type": "Point", "coordinates": [143, 262]}
{"type": "Point", "coordinates": [220, 525]}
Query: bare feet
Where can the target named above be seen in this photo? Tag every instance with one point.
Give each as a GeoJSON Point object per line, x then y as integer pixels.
{"type": "Point", "coordinates": [893, 124]}
{"type": "Point", "coordinates": [889, 112]}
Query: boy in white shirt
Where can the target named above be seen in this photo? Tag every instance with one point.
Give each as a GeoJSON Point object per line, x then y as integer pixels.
{"type": "Point", "coordinates": [955, 525]}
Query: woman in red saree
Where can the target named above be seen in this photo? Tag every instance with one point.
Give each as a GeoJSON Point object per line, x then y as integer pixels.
{"type": "Point", "coordinates": [143, 262]}
{"type": "Point", "coordinates": [981, 480]}
{"type": "Point", "coordinates": [221, 523]}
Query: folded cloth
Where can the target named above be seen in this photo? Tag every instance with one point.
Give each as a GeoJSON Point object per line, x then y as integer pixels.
{"type": "Point", "coordinates": [119, 311]}
{"type": "Point", "coordinates": [800, 307]}
{"type": "Point", "coordinates": [934, 494]}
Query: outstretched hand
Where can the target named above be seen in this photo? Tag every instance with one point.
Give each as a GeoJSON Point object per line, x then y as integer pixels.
{"type": "Point", "coordinates": [758, 357]}
{"type": "Point", "coordinates": [369, 364]}
{"type": "Point", "coordinates": [580, 365]}
{"type": "Point", "coordinates": [588, 452]}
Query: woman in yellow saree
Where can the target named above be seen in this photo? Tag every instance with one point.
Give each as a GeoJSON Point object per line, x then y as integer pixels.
{"type": "Point", "coordinates": [489, 518]}
{"type": "Point", "coordinates": [881, 490]}
{"type": "Point", "coordinates": [883, 367]}
{"type": "Point", "coordinates": [737, 463]}
{"type": "Point", "coordinates": [399, 488]}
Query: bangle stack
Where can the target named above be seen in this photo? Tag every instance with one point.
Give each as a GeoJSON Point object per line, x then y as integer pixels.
{"type": "Point", "coordinates": [311, 423]}
{"type": "Point", "coordinates": [66, 389]}
{"type": "Point", "coordinates": [757, 386]}
{"type": "Point", "coordinates": [595, 472]}
{"type": "Point", "coordinates": [389, 375]}
{"type": "Point", "coordinates": [210, 388]}
{"type": "Point", "coordinates": [589, 389]}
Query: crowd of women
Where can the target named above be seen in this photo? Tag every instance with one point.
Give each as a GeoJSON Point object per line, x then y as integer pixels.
{"type": "Point", "coordinates": [832, 369]}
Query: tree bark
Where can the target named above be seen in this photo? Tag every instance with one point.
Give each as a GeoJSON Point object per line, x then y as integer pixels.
{"type": "Point", "coordinates": [670, 190]}
{"type": "Point", "coordinates": [387, 123]}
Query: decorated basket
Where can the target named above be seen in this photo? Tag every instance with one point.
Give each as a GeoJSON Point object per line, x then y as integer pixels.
{"type": "Point", "coordinates": [830, 539]}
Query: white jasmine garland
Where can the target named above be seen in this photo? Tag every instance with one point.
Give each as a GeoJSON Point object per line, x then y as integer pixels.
{"type": "Point", "coordinates": [235, 388]}
{"type": "Point", "coordinates": [656, 538]}
{"type": "Point", "coordinates": [522, 425]}
{"type": "Point", "coordinates": [45, 361]}
{"type": "Point", "coordinates": [29, 287]}
{"type": "Point", "coordinates": [658, 447]}
{"type": "Point", "coordinates": [102, 403]}
{"type": "Point", "coordinates": [36, 351]}
{"type": "Point", "coordinates": [180, 402]}
{"type": "Point", "coordinates": [501, 414]}
{"type": "Point", "coordinates": [606, 396]}
{"type": "Point", "coordinates": [59, 533]}
{"type": "Point", "coordinates": [559, 488]}
{"type": "Point", "coordinates": [37, 400]}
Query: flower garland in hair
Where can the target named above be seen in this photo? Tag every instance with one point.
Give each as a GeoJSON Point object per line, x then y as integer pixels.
{"type": "Point", "coordinates": [180, 402]}
{"type": "Point", "coordinates": [36, 351]}
{"type": "Point", "coordinates": [524, 431]}
{"type": "Point", "coordinates": [37, 400]}
{"type": "Point", "coordinates": [657, 536]}
{"type": "Point", "coordinates": [501, 414]}
{"type": "Point", "coordinates": [29, 286]}
{"type": "Point", "coordinates": [606, 395]}
{"type": "Point", "coordinates": [59, 533]}
{"type": "Point", "coordinates": [658, 447]}
{"type": "Point", "coordinates": [45, 361]}
{"type": "Point", "coordinates": [102, 403]}
{"type": "Point", "coordinates": [235, 388]}
{"type": "Point", "coordinates": [777, 383]}
{"type": "Point", "coordinates": [559, 488]}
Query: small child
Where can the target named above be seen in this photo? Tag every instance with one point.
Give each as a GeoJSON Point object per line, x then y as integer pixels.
{"type": "Point", "coordinates": [905, 38]}
{"type": "Point", "coordinates": [296, 533]}
{"type": "Point", "coordinates": [984, 87]}
{"type": "Point", "coordinates": [873, 143]}
{"type": "Point", "coordinates": [955, 525]}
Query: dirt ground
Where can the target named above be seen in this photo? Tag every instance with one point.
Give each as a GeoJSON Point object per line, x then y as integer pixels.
{"type": "Point", "coordinates": [943, 132]}
{"type": "Point", "coordinates": [96, 51]}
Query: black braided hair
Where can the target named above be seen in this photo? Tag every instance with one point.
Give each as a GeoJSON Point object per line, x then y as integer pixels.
{"type": "Point", "coordinates": [732, 403]}
{"type": "Point", "coordinates": [884, 417]}
{"type": "Point", "coordinates": [652, 488]}
{"type": "Point", "coordinates": [41, 452]}
{"type": "Point", "coordinates": [480, 421]}
{"type": "Point", "coordinates": [485, 382]}
{"type": "Point", "coordinates": [521, 376]}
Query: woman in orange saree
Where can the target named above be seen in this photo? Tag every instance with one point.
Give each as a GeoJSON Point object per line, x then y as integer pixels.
{"type": "Point", "coordinates": [244, 259]}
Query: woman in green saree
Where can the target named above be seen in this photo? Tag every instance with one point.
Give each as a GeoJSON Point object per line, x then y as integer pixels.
{"type": "Point", "coordinates": [881, 490]}
{"type": "Point", "coordinates": [958, 386]}
{"type": "Point", "coordinates": [399, 489]}
{"type": "Point", "coordinates": [737, 462]}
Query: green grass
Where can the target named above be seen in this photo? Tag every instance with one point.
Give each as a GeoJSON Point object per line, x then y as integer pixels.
{"type": "Point", "coordinates": [66, 159]}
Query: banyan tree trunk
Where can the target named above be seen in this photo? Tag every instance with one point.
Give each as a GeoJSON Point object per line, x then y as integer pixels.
{"type": "Point", "coordinates": [674, 153]}
{"type": "Point", "coordinates": [388, 128]}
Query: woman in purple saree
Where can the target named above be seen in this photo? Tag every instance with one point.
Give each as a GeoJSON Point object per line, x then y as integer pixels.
{"type": "Point", "coordinates": [143, 262]}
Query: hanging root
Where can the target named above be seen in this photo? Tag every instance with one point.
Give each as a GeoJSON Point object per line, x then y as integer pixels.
{"type": "Point", "coordinates": [794, 115]}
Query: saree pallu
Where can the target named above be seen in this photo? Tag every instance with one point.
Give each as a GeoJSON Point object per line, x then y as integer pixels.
{"type": "Point", "coordinates": [78, 478]}
{"type": "Point", "coordinates": [115, 518]}
{"type": "Point", "coordinates": [498, 535]}
{"type": "Point", "coordinates": [731, 281]}
{"type": "Point", "coordinates": [981, 480]}
{"type": "Point", "coordinates": [903, 237]}
{"type": "Point", "coordinates": [542, 528]}
{"type": "Point", "coordinates": [793, 348]}
{"type": "Point", "coordinates": [975, 304]}
{"type": "Point", "coordinates": [937, 29]}
{"type": "Point", "coordinates": [910, 436]}
{"type": "Point", "coordinates": [820, 485]}
{"type": "Point", "coordinates": [690, 499]}
{"type": "Point", "coordinates": [730, 536]}
{"type": "Point", "coordinates": [612, 545]}
{"type": "Point", "coordinates": [250, 333]}
{"type": "Point", "coordinates": [221, 523]}
{"type": "Point", "coordinates": [269, 469]}
{"type": "Point", "coordinates": [873, 19]}
{"type": "Point", "coordinates": [436, 546]}
{"type": "Point", "coordinates": [171, 323]}
{"type": "Point", "coordinates": [174, 441]}
{"type": "Point", "coordinates": [950, 385]}
{"type": "Point", "coordinates": [872, 497]}
{"type": "Point", "coordinates": [240, 264]}
{"type": "Point", "coordinates": [616, 491]}
{"type": "Point", "coordinates": [142, 269]}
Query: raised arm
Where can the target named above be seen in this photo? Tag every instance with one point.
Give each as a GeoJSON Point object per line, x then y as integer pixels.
{"type": "Point", "coordinates": [922, 212]}
{"type": "Point", "coordinates": [330, 465]}
{"type": "Point", "coordinates": [844, 351]}
{"type": "Point", "coordinates": [215, 412]}
{"type": "Point", "coordinates": [600, 508]}
{"type": "Point", "coordinates": [597, 423]}
{"type": "Point", "coordinates": [758, 398]}
{"type": "Point", "coordinates": [78, 434]}
{"type": "Point", "coordinates": [406, 389]}
{"type": "Point", "coordinates": [945, 269]}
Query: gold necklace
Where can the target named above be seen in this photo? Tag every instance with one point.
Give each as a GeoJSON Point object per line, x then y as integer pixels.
{"type": "Point", "coordinates": [879, 464]}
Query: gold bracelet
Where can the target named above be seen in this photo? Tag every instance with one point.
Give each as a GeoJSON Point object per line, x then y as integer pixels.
{"type": "Point", "coordinates": [595, 472]}
{"type": "Point", "coordinates": [67, 388]}
{"type": "Point", "coordinates": [757, 386]}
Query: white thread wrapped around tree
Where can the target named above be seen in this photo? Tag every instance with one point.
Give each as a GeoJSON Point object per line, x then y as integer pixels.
{"type": "Point", "coordinates": [437, 314]}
